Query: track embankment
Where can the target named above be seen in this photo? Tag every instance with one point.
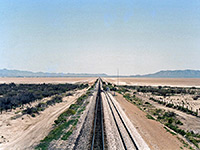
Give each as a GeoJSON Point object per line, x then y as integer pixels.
{"type": "Point", "coordinates": [119, 128]}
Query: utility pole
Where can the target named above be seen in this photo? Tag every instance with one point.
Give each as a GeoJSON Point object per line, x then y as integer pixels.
{"type": "Point", "coordinates": [117, 76]}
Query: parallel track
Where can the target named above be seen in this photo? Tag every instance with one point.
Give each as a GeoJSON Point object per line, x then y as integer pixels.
{"type": "Point", "coordinates": [119, 128]}
{"type": "Point", "coordinates": [98, 126]}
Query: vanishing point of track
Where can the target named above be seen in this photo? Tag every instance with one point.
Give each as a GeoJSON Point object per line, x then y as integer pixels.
{"type": "Point", "coordinates": [98, 125]}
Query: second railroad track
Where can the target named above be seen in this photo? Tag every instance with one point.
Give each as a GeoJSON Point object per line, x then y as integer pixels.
{"type": "Point", "coordinates": [124, 133]}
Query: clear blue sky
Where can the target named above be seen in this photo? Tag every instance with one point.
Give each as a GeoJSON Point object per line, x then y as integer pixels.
{"type": "Point", "coordinates": [138, 37]}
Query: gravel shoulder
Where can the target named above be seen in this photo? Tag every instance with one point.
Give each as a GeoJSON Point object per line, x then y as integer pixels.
{"type": "Point", "coordinates": [141, 144]}
{"type": "Point", "coordinates": [113, 138]}
{"type": "Point", "coordinates": [70, 143]}
{"type": "Point", "coordinates": [80, 139]}
{"type": "Point", "coordinates": [81, 136]}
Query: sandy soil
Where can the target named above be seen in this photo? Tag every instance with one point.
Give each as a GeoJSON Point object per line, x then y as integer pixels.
{"type": "Point", "coordinates": [188, 82]}
{"type": "Point", "coordinates": [179, 99]}
{"type": "Point", "coordinates": [24, 133]}
{"type": "Point", "coordinates": [189, 122]}
{"type": "Point", "coordinates": [151, 131]}
{"type": "Point", "coordinates": [47, 80]}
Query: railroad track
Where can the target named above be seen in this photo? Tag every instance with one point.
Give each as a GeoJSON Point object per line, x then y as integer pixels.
{"type": "Point", "coordinates": [125, 135]}
{"type": "Point", "coordinates": [98, 126]}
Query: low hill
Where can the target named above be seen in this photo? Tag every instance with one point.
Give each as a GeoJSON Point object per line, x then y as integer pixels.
{"type": "Point", "coordinates": [18, 73]}
{"type": "Point", "coordinates": [161, 74]}
{"type": "Point", "coordinates": [172, 74]}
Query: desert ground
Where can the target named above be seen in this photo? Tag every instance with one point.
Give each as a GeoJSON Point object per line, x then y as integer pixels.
{"type": "Point", "coordinates": [46, 80]}
{"type": "Point", "coordinates": [180, 82]}
{"type": "Point", "coordinates": [23, 131]}
{"type": "Point", "coordinates": [190, 122]}
{"type": "Point", "coordinates": [26, 131]}
{"type": "Point", "coordinates": [189, 82]}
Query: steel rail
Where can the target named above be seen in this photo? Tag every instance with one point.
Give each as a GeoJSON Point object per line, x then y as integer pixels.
{"type": "Point", "coordinates": [124, 144]}
{"type": "Point", "coordinates": [98, 104]}
{"type": "Point", "coordinates": [130, 136]}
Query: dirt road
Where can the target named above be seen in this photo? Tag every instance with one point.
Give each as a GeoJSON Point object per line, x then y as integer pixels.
{"type": "Point", "coordinates": [24, 134]}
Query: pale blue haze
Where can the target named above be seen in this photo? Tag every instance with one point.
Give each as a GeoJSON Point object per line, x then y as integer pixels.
{"type": "Point", "coordinates": [76, 36]}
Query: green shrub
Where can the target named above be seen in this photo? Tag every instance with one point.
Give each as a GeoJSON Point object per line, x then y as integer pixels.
{"type": "Point", "coordinates": [176, 129]}
{"type": "Point", "coordinates": [147, 103]}
{"type": "Point", "coordinates": [32, 115]}
{"type": "Point", "coordinates": [194, 141]}
{"type": "Point", "coordinates": [149, 117]}
{"type": "Point", "coordinates": [169, 114]}
{"type": "Point", "coordinates": [66, 135]}
{"type": "Point", "coordinates": [69, 94]}
{"type": "Point", "coordinates": [70, 112]}
{"type": "Point", "coordinates": [53, 135]}
{"type": "Point", "coordinates": [61, 124]}
{"type": "Point", "coordinates": [73, 106]}
{"type": "Point", "coordinates": [170, 131]}
{"type": "Point", "coordinates": [179, 122]}
{"type": "Point", "coordinates": [170, 105]}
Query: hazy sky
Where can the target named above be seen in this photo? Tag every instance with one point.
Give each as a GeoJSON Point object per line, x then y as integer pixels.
{"type": "Point", "coordinates": [138, 37]}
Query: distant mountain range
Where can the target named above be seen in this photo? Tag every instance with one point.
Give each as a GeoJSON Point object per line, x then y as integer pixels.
{"type": "Point", "coordinates": [161, 74]}
{"type": "Point", "coordinates": [18, 73]}
{"type": "Point", "coordinates": [172, 74]}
